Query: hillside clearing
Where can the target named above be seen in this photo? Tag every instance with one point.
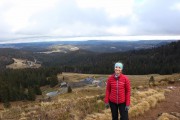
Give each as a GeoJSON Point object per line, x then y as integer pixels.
{"type": "Point", "coordinates": [21, 64]}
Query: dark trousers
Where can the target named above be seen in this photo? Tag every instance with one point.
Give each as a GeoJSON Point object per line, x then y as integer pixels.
{"type": "Point", "coordinates": [114, 110]}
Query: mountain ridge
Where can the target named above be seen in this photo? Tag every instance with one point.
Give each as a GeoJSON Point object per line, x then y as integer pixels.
{"type": "Point", "coordinates": [91, 45]}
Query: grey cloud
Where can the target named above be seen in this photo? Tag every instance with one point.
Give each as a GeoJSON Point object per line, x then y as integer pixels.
{"type": "Point", "coordinates": [157, 17]}
{"type": "Point", "coordinates": [65, 14]}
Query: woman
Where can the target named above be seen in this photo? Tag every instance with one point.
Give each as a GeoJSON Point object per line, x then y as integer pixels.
{"type": "Point", "coordinates": [118, 93]}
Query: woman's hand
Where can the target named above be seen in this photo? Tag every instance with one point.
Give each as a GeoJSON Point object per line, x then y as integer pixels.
{"type": "Point", "coordinates": [127, 108]}
{"type": "Point", "coordinates": [107, 105]}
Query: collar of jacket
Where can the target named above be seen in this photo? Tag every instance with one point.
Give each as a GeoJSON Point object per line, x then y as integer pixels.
{"type": "Point", "coordinates": [117, 77]}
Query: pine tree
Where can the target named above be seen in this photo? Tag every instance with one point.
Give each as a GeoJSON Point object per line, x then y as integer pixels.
{"type": "Point", "coordinates": [31, 94]}
{"type": "Point", "coordinates": [37, 90]}
{"type": "Point", "coordinates": [53, 81]}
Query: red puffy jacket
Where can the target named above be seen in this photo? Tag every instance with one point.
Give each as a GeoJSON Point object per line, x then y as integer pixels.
{"type": "Point", "coordinates": [118, 91]}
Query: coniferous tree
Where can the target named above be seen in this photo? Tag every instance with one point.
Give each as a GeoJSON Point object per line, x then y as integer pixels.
{"type": "Point", "coordinates": [31, 94]}
{"type": "Point", "coordinates": [53, 81]}
{"type": "Point", "coordinates": [38, 90]}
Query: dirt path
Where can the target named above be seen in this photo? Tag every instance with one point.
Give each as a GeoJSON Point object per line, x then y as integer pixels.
{"type": "Point", "coordinates": [171, 104]}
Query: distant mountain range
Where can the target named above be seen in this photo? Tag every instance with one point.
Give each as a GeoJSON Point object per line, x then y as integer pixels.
{"type": "Point", "coordinates": [100, 46]}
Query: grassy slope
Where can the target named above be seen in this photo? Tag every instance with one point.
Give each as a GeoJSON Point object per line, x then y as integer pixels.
{"type": "Point", "coordinates": [82, 101]}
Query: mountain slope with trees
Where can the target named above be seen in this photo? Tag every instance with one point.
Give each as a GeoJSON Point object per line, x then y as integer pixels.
{"type": "Point", "coordinates": [163, 60]}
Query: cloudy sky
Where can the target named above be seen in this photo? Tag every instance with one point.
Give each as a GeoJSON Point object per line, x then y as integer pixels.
{"type": "Point", "coordinates": [43, 20]}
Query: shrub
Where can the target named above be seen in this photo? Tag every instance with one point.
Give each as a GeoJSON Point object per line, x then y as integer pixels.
{"type": "Point", "coordinates": [166, 116]}
{"type": "Point", "coordinates": [133, 111]}
{"type": "Point", "coordinates": [160, 97]}
{"type": "Point", "coordinates": [69, 89]}
{"type": "Point", "coordinates": [152, 101]}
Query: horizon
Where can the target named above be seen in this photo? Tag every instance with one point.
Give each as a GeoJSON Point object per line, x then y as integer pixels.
{"type": "Point", "coordinates": [106, 38]}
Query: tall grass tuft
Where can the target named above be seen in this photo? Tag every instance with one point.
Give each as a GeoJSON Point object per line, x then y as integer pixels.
{"type": "Point", "coordinates": [166, 116]}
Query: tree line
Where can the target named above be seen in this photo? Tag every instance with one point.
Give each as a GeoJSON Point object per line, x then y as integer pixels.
{"type": "Point", "coordinates": [24, 84]}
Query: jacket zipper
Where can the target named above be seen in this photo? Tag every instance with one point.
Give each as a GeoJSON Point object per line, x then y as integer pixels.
{"type": "Point", "coordinates": [117, 90]}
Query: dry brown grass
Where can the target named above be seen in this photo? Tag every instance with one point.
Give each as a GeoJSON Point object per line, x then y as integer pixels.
{"type": "Point", "coordinates": [74, 109]}
{"type": "Point", "coordinates": [140, 103]}
{"type": "Point", "coordinates": [152, 101]}
{"type": "Point", "coordinates": [137, 80]}
{"type": "Point", "coordinates": [76, 77]}
{"type": "Point", "coordinates": [88, 101]}
{"type": "Point", "coordinates": [166, 116]}
{"type": "Point", "coordinates": [20, 64]}
{"type": "Point", "coordinates": [13, 113]}
{"type": "Point", "coordinates": [81, 93]}
{"type": "Point", "coordinates": [143, 101]}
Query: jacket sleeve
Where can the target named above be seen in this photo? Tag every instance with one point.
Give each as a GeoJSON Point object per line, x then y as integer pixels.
{"type": "Point", "coordinates": [108, 90]}
{"type": "Point", "coordinates": [128, 91]}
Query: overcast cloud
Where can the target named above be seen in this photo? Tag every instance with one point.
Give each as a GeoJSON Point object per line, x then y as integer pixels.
{"type": "Point", "coordinates": [46, 20]}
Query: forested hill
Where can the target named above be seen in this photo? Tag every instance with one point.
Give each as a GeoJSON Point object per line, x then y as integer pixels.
{"type": "Point", "coordinates": [162, 60]}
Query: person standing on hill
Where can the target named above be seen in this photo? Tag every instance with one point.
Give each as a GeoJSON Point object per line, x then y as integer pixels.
{"type": "Point", "coordinates": [118, 93]}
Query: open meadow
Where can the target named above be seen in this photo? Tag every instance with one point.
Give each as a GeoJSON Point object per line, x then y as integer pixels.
{"type": "Point", "coordinates": [22, 63]}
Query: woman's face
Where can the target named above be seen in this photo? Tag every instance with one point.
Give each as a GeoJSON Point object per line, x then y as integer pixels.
{"type": "Point", "coordinates": [118, 70]}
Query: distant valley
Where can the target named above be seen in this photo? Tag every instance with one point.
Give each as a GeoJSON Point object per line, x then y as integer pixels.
{"type": "Point", "coordinates": [97, 57]}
